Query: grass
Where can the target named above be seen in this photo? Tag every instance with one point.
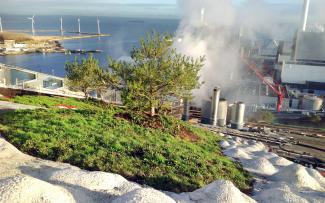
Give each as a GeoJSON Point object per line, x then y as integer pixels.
{"type": "Point", "coordinates": [262, 116]}
{"type": "Point", "coordinates": [109, 139]}
{"type": "Point", "coordinates": [18, 37]}
{"type": "Point", "coordinates": [52, 102]}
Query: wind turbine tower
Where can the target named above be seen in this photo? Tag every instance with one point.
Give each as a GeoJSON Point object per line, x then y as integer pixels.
{"type": "Point", "coordinates": [79, 26]}
{"type": "Point", "coordinates": [98, 26]}
{"type": "Point", "coordinates": [61, 25]}
{"type": "Point", "coordinates": [1, 30]}
{"type": "Point", "coordinates": [33, 24]}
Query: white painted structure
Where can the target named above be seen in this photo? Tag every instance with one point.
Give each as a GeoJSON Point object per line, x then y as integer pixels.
{"type": "Point", "coordinates": [33, 24]}
{"type": "Point", "coordinates": [305, 15]}
{"type": "Point", "coordinates": [222, 112]}
{"type": "Point", "coordinates": [300, 74]}
{"type": "Point", "coordinates": [202, 15]}
{"type": "Point", "coordinates": [98, 26]}
{"type": "Point", "coordinates": [79, 29]}
{"type": "Point", "coordinates": [1, 30]}
{"type": "Point", "coordinates": [215, 105]}
{"type": "Point", "coordinates": [61, 25]}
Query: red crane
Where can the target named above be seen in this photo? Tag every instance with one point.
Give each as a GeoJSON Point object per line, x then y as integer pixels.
{"type": "Point", "coordinates": [276, 87]}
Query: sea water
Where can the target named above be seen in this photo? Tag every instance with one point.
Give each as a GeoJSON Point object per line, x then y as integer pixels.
{"type": "Point", "coordinates": [125, 32]}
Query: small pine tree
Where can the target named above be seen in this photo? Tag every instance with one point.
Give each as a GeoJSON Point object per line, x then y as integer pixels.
{"type": "Point", "coordinates": [84, 76]}
{"type": "Point", "coordinates": [156, 72]}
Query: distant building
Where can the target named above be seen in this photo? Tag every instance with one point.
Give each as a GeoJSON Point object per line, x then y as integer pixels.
{"type": "Point", "coordinates": [9, 43]}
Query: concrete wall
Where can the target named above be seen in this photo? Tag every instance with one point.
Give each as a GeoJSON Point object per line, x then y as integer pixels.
{"type": "Point", "coordinates": [310, 46]}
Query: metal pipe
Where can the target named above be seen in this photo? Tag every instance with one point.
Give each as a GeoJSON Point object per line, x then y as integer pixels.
{"type": "Point", "coordinates": [222, 112]}
{"type": "Point", "coordinates": [206, 112]}
{"type": "Point", "coordinates": [186, 110]}
{"type": "Point", "coordinates": [305, 15]}
{"type": "Point", "coordinates": [214, 106]}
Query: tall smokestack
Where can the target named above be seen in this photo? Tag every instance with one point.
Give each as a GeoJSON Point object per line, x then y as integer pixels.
{"type": "Point", "coordinates": [305, 15]}
{"type": "Point", "coordinates": [202, 15]}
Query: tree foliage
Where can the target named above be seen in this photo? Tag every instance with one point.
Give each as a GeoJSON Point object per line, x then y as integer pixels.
{"type": "Point", "coordinates": [84, 76]}
{"type": "Point", "coordinates": [155, 73]}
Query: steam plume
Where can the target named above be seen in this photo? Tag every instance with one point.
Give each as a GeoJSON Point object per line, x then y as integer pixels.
{"type": "Point", "coordinates": [214, 28]}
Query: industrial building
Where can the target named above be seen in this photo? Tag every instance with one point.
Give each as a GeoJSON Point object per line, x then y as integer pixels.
{"type": "Point", "coordinates": [294, 71]}
{"type": "Point", "coordinates": [281, 76]}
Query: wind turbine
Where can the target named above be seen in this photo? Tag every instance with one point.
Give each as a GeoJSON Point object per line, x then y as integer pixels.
{"type": "Point", "coordinates": [98, 26]}
{"type": "Point", "coordinates": [1, 30]}
{"type": "Point", "coordinates": [61, 25]}
{"type": "Point", "coordinates": [79, 25]}
{"type": "Point", "coordinates": [33, 23]}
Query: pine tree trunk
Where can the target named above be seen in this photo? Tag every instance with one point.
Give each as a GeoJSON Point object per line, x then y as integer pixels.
{"type": "Point", "coordinates": [153, 111]}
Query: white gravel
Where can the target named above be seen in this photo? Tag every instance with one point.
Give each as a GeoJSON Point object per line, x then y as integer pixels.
{"type": "Point", "coordinates": [224, 144]}
{"type": "Point", "coordinates": [24, 179]}
{"type": "Point", "coordinates": [144, 195]}
{"type": "Point", "coordinates": [219, 192]}
{"type": "Point", "coordinates": [280, 161]}
{"type": "Point", "coordinates": [278, 179]}
{"type": "Point", "coordinates": [237, 153]}
{"type": "Point", "coordinates": [22, 188]}
{"type": "Point", "coordinates": [261, 166]}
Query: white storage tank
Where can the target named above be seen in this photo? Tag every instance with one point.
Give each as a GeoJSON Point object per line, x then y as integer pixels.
{"type": "Point", "coordinates": [312, 103]}
{"type": "Point", "coordinates": [231, 108]}
{"type": "Point", "coordinates": [222, 112]}
{"type": "Point", "coordinates": [237, 120]}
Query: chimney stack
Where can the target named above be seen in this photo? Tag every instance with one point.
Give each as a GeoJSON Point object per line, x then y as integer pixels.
{"type": "Point", "coordinates": [215, 105]}
{"type": "Point", "coordinates": [305, 15]}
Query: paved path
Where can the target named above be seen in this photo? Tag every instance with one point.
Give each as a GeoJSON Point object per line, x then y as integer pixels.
{"type": "Point", "coordinates": [7, 106]}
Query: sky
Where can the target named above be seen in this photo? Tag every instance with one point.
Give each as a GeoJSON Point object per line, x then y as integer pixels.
{"type": "Point", "coordinates": [143, 8]}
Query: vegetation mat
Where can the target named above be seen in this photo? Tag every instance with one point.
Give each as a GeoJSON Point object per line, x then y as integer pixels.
{"type": "Point", "coordinates": [161, 152]}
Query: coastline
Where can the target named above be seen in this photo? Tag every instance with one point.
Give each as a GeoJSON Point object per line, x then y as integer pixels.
{"type": "Point", "coordinates": [50, 44]}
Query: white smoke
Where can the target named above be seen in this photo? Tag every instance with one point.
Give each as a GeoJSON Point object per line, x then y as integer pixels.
{"type": "Point", "coordinates": [212, 36]}
{"type": "Point", "coordinates": [216, 35]}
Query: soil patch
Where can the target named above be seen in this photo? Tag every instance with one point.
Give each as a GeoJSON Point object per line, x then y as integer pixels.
{"type": "Point", "coordinates": [188, 135]}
